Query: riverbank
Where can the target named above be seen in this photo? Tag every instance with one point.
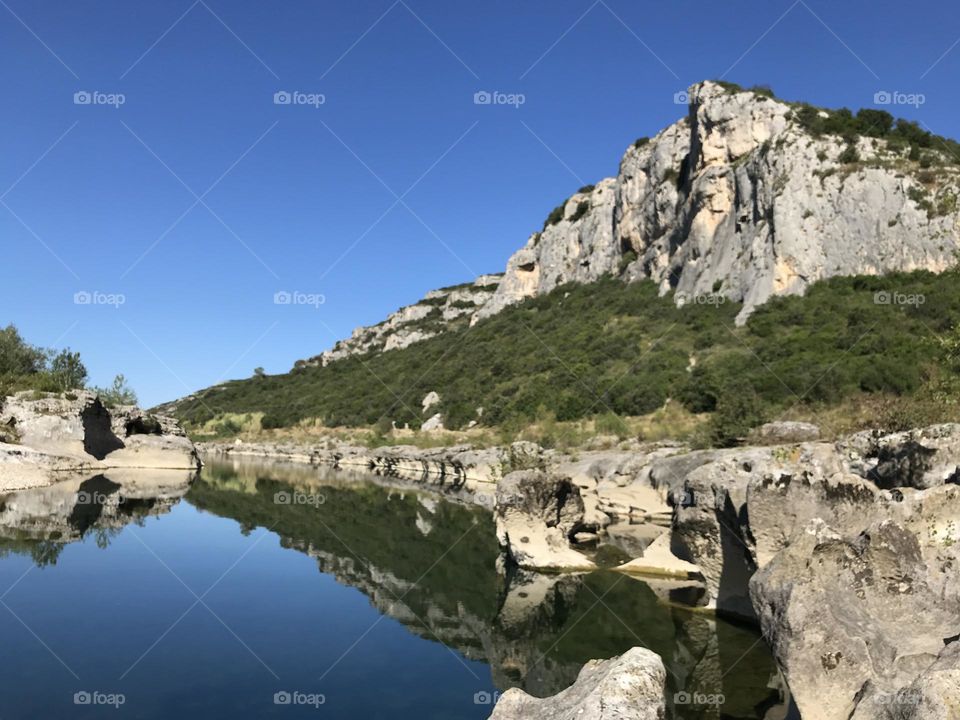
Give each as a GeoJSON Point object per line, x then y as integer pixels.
{"type": "Point", "coordinates": [878, 514]}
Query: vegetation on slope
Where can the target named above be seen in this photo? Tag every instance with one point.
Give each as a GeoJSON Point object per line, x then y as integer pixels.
{"type": "Point", "coordinates": [27, 367]}
{"type": "Point", "coordinates": [610, 347]}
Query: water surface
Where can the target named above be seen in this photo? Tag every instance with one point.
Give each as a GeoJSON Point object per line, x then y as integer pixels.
{"type": "Point", "coordinates": [259, 584]}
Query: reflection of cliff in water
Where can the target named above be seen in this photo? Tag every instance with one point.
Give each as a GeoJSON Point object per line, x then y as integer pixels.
{"type": "Point", "coordinates": [40, 522]}
{"type": "Point", "coordinates": [431, 565]}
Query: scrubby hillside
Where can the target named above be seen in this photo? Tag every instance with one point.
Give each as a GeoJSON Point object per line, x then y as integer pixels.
{"type": "Point", "coordinates": [636, 290]}
{"type": "Point", "coordinates": [590, 349]}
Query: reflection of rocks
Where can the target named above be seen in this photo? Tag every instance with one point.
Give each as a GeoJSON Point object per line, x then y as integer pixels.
{"type": "Point", "coordinates": [629, 687]}
{"type": "Point", "coordinates": [459, 466]}
{"type": "Point", "coordinates": [40, 521]}
{"type": "Point", "coordinates": [534, 630]}
{"type": "Point", "coordinates": [58, 434]}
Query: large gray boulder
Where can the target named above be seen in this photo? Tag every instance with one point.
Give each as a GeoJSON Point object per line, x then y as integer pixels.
{"type": "Point", "coordinates": [628, 687]}
{"type": "Point", "coordinates": [537, 514]}
{"type": "Point", "coordinates": [920, 458]}
{"type": "Point", "coordinates": [75, 432]}
{"type": "Point", "coordinates": [858, 614]}
{"type": "Point", "coordinates": [935, 695]}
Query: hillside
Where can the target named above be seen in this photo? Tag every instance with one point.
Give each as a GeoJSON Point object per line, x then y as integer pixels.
{"type": "Point", "coordinates": [681, 278]}
{"type": "Point", "coordinates": [747, 196]}
{"type": "Point", "coordinates": [585, 350]}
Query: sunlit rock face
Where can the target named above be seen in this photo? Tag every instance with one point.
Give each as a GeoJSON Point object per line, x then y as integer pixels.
{"type": "Point", "coordinates": [739, 199]}
{"type": "Point", "coordinates": [55, 434]}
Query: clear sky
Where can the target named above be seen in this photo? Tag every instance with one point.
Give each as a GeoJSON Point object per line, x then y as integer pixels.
{"type": "Point", "coordinates": [198, 198]}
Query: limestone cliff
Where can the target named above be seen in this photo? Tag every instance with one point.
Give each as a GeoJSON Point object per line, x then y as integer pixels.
{"type": "Point", "coordinates": [740, 198]}
{"type": "Point", "coordinates": [747, 197]}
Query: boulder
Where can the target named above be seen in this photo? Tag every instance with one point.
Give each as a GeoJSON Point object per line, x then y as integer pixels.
{"type": "Point", "coordinates": [920, 458]}
{"type": "Point", "coordinates": [786, 431]}
{"type": "Point", "coordinates": [76, 432]}
{"type": "Point", "coordinates": [429, 400]}
{"type": "Point", "coordinates": [537, 514]}
{"type": "Point", "coordinates": [935, 695]}
{"type": "Point", "coordinates": [657, 559]}
{"type": "Point", "coordinates": [834, 605]}
{"type": "Point", "coordinates": [628, 687]}
{"type": "Point", "coordinates": [434, 422]}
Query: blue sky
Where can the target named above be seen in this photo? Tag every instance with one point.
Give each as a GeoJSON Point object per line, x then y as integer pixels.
{"type": "Point", "coordinates": [199, 198]}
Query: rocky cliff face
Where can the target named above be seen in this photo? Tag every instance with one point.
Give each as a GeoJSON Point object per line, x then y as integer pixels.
{"type": "Point", "coordinates": [438, 311]}
{"type": "Point", "coordinates": [739, 199]}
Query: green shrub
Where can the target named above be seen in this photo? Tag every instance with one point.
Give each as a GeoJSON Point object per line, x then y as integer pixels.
{"type": "Point", "coordinates": [555, 216]}
{"type": "Point", "coordinates": [849, 155]}
{"type": "Point", "coordinates": [582, 209]}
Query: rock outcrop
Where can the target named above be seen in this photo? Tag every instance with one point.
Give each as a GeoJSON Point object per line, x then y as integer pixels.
{"type": "Point", "coordinates": [835, 548]}
{"type": "Point", "coordinates": [537, 514]}
{"type": "Point", "coordinates": [628, 687]}
{"type": "Point", "coordinates": [58, 434]}
{"type": "Point", "coordinates": [739, 201]}
{"type": "Point", "coordinates": [439, 311]}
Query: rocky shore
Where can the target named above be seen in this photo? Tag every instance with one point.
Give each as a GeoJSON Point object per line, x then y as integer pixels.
{"type": "Point", "coordinates": [46, 438]}
{"type": "Point", "coordinates": [833, 549]}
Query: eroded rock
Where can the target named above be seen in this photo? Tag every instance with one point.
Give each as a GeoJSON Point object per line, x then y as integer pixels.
{"type": "Point", "coordinates": [628, 687]}
{"type": "Point", "coordinates": [537, 515]}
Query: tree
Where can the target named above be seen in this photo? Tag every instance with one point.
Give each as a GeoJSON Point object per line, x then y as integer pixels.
{"type": "Point", "coordinates": [16, 356]}
{"type": "Point", "coordinates": [259, 372]}
{"type": "Point", "coordinates": [67, 370]}
{"type": "Point", "coordinates": [117, 394]}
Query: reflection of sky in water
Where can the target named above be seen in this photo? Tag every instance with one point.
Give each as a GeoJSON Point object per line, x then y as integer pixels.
{"type": "Point", "coordinates": [119, 609]}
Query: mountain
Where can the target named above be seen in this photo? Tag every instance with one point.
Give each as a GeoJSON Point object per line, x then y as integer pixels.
{"type": "Point", "coordinates": [753, 256]}
{"type": "Point", "coordinates": [747, 197]}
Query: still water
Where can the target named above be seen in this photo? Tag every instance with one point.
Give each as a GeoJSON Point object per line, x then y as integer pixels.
{"type": "Point", "coordinates": [271, 591]}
